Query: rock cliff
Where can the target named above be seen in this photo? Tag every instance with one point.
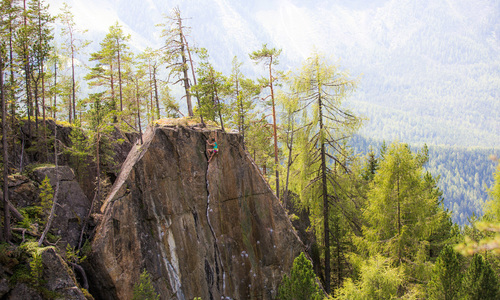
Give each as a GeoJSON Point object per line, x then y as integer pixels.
{"type": "Point", "coordinates": [214, 230]}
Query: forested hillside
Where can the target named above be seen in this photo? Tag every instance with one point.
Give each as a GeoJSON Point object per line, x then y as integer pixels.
{"type": "Point", "coordinates": [464, 175]}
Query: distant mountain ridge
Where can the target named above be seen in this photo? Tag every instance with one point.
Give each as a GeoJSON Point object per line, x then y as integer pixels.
{"type": "Point", "coordinates": [429, 71]}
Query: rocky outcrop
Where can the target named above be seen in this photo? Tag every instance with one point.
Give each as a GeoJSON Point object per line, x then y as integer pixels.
{"type": "Point", "coordinates": [58, 279]}
{"type": "Point", "coordinates": [214, 230]}
{"type": "Point", "coordinates": [73, 205]}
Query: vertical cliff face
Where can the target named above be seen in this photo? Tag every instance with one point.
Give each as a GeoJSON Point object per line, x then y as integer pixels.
{"type": "Point", "coordinates": [214, 230]}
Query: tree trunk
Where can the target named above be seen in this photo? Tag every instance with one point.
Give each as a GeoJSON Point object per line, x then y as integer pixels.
{"type": "Point", "coordinates": [156, 93]}
{"type": "Point", "coordinates": [56, 193]}
{"type": "Point", "coordinates": [12, 89]}
{"type": "Point", "coordinates": [73, 86]}
{"type": "Point", "coordinates": [194, 79]}
{"type": "Point", "coordinates": [138, 110]}
{"type": "Point", "coordinates": [26, 71]}
{"type": "Point", "coordinates": [276, 162]}
{"type": "Point", "coordinates": [184, 70]}
{"type": "Point", "coordinates": [152, 115]}
{"type": "Point", "coordinates": [120, 76]}
{"type": "Point", "coordinates": [55, 93]}
{"type": "Point", "coordinates": [289, 164]}
{"type": "Point", "coordinates": [326, 210]}
{"type": "Point", "coordinates": [6, 210]}
{"type": "Point", "coordinates": [41, 64]}
{"type": "Point", "coordinates": [112, 84]}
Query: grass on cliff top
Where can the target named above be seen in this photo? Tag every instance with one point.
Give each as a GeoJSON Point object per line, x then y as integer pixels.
{"type": "Point", "coordinates": [186, 121]}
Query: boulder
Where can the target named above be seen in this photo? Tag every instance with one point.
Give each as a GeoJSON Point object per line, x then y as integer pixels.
{"type": "Point", "coordinates": [58, 278]}
{"type": "Point", "coordinates": [73, 204]}
{"type": "Point", "coordinates": [214, 230]}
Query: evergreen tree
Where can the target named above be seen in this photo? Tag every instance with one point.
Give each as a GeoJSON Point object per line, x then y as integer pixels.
{"type": "Point", "coordinates": [269, 57]}
{"type": "Point", "coordinates": [144, 290]}
{"type": "Point", "coordinates": [302, 283]}
{"type": "Point", "coordinates": [111, 60]}
{"type": "Point", "coordinates": [212, 86]}
{"type": "Point", "coordinates": [46, 195]}
{"type": "Point", "coordinates": [480, 281]}
{"type": "Point", "coordinates": [378, 280]}
{"type": "Point", "coordinates": [242, 94]}
{"type": "Point", "coordinates": [176, 52]}
{"type": "Point", "coordinates": [446, 276]}
{"type": "Point", "coordinates": [403, 205]}
{"type": "Point", "coordinates": [5, 236]}
{"type": "Point", "coordinates": [321, 88]}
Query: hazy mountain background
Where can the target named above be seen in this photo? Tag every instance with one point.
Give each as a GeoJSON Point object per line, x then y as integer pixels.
{"type": "Point", "coordinates": [429, 70]}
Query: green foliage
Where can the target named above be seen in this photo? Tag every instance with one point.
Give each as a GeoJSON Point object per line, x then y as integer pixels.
{"type": "Point", "coordinates": [210, 90]}
{"type": "Point", "coordinates": [36, 268]}
{"type": "Point", "coordinates": [144, 290]}
{"type": "Point", "coordinates": [302, 283]}
{"type": "Point", "coordinates": [31, 215]}
{"type": "Point", "coordinates": [377, 280]}
{"type": "Point", "coordinates": [404, 205]}
{"type": "Point", "coordinates": [34, 253]}
{"type": "Point", "coordinates": [46, 196]}
{"type": "Point", "coordinates": [73, 256]}
{"type": "Point", "coordinates": [485, 235]}
{"type": "Point", "coordinates": [446, 275]}
{"type": "Point", "coordinates": [480, 281]}
{"type": "Point", "coordinates": [463, 174]}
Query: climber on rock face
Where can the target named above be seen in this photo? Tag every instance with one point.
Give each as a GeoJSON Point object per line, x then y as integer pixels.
{"type": "Point", "coordinates": [214, 150]}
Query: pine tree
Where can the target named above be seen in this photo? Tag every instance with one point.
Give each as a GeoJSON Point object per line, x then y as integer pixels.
{"type": "Point", "coordinates": [446, 276]}
{"type": "Point", "coordinates": [144, 290]}
{"type": "Point", "coordinates": [46, 195]}
{"type": "Point", "coordinates": [269, 57]}
{"type": "Point", "coordinates": [302, 283]}
{"type": "Point", "coordinates": [242, 94]}
{"type": "Point", "coordinates": [111, 60]}
{"type": "Point", "coordinates": [73, 45]}
{"type": "Point", "coordinates": [212, 86]}
{"type": "Point", "coordinates": [480, 281]}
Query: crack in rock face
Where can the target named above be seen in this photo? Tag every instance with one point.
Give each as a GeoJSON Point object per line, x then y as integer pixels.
{"type": "Point", "coordinates": [173, 221]}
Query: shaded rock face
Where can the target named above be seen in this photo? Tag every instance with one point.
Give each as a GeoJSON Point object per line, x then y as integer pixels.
{"type": "Point", "coordinates": [58, 277]}
{"type": "Point", "coordinates": [73, 205]}
{"type": "Point", "coordinates": [213, 231]}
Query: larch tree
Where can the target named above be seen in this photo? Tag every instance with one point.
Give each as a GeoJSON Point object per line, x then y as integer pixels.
{"type": "Point", "coordinates": [321, 88]}
{"type": "Point", "coordinates": [404, 208]}
{"type": "Point", "coordinates": [176, 53]}
{"type": "Point", "coordinates": [269, 57]}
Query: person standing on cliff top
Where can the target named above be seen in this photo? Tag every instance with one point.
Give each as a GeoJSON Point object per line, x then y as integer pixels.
{"type": "Point", "coordinates": [214, 150]}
